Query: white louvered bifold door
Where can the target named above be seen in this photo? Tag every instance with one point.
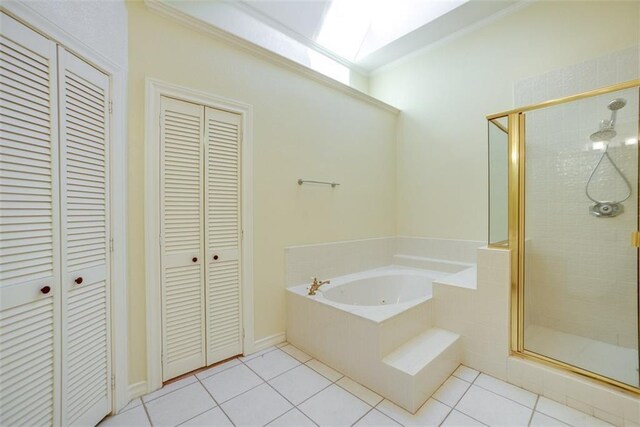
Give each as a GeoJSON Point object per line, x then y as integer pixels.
{"type": "Point", "coordinates": [223, 234]}
{"type": "Point", "coordinates": [181, 179]}
{"type": "Point", "coordinates": [29, 228]}
{"type": "Point", "coordinates": [84, 133]}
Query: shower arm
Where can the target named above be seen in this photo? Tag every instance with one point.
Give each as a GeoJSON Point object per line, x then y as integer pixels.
{"type": "Point", "coordinates": [624, 178]}
{"type": "Point", "coordinates": [612, 121]}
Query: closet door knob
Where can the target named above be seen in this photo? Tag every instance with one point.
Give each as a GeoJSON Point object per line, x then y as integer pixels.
{"type": "Point", "coordinates": [45, 289]}
{"type": "Point", "coordinates": [215, 257]}
{"type": "Point", "coordinates": [194, 259]}
{"type": "Point", "coordinates": [78, 280]}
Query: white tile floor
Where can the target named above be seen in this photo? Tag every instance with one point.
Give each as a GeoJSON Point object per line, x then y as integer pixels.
{"type": "Point", "coordinates": [282, 386]}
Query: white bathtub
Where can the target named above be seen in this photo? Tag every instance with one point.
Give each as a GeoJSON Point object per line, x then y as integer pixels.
{"type": "Point", "coordinates": [376, 294]}
{"type": "Point", "coordinates": [379, 288]}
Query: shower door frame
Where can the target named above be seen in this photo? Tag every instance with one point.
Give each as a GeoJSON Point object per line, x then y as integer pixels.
{"type": "Point", "coordinates": [516, 227]}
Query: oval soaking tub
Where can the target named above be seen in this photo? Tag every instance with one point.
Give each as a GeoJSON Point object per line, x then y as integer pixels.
{"type": "Point", "coordinates": [386, 287]}
{"type": "Point", "coordinates": [376, 295]}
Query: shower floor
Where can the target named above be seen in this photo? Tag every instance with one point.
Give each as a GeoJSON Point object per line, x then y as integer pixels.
{"type": "Point", "coordinates": [618, 363]}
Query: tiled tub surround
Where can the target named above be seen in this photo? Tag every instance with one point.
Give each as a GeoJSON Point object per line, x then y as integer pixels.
{"type": "Point", "coordinates": [335, 259]}
{"type": "Point", "coordinates": [390, 348]}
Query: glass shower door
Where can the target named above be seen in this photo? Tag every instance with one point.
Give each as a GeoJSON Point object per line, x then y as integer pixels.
{"type": "Point", "coordinates": [581, 208]}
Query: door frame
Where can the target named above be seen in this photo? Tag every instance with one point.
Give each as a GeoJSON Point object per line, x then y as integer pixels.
{"type": "Point", "coordinates": [155, 89]}
{"type": "Point", "coordinates": [118, 183]}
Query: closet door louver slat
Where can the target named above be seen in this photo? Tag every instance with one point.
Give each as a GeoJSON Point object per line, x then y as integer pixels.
{"type": "Point", "coordinates": [84, 118]}
{"type": "Point", "coordinates": [223, 234]}
{"type": "Point", "coordinates": [181, 224]}
{"type": "Point", "coordinates": [29, 227]}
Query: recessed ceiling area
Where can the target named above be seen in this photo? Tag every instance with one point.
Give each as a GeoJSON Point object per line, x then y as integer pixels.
{"type": "Point", "coordinates": [337, 37]}
{"type": "Point", "coordinates": [352, 29]}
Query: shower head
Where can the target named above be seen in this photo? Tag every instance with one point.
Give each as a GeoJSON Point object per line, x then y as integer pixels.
{"type": "Point", "coordinates": [607, 127]}
{"type": "Point", "coordinates": [617, 104]}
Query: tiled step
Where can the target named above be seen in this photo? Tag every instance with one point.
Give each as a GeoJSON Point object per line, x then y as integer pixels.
{"type": "Point", "coordinates": [422, 364]}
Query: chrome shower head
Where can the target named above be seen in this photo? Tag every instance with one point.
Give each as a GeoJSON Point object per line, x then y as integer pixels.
{"type": "Point", "coordinates": [607, 127]}
{"type": "Point", "coordinates": [617, 104]}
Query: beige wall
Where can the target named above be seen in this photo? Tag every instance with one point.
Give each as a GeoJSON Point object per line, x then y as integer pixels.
{"type": "Point", "coordinates": [302, 129]}
{"type": "Point", "coordinates": [446, 91]}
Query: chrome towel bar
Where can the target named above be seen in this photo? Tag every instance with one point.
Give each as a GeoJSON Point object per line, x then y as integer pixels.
{"type": "Point", "coordinates": [306, 181]}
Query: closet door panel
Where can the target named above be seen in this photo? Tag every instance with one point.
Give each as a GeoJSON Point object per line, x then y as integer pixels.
{"type": "Point", "coordinates": [84, 118]}
{"type": "Point", "coordinates": [29, 228]}
{"type": "Point", "coordinates": [182, 242]}
{"type": "Point", "coordinates": [223, 234]}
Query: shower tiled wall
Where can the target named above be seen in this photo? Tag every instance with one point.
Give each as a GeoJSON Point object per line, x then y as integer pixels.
{"type": "Point", "coordinates": [581, 270]}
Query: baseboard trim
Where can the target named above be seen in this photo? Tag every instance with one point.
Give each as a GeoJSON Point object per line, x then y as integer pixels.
{"type": "Point", "coordinates": [269, 341]}
{"type": "Point", "coordinates": [137, 390]}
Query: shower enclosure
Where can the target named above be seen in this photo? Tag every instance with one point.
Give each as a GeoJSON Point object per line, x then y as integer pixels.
{"type": "Point", "coordinates": [564, 200]}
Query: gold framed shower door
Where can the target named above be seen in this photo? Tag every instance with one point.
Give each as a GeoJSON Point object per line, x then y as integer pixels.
{"type": "Point", "coordinates": [516, 228]}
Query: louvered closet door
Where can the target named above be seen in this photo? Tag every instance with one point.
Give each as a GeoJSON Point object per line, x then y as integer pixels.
{"type": "Point", "coordinates": [182, 237]}
{"type": "Point", "coordinates": [84, 136]}
{"type": "Point", "coordinates": [223, 234]}
{"type": "Point", "coordinates": [29, 228]}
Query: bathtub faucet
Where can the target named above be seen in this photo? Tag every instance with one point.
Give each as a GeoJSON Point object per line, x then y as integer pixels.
{"type": "Point", "coordinates": [316, 285]}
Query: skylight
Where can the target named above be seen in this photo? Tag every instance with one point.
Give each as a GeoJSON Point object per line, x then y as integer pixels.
{"type": "Point", "coordinates": [353, 29]}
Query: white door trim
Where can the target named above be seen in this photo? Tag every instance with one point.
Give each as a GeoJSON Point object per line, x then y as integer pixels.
{"type": "Point", "coordinates": [154, 90]}
{"type": "Point", "coordinates": [118, 178]}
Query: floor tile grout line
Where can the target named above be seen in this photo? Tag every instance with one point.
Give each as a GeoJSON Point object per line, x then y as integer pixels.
{"type": "Point", "coordinates": [331, 382]}
{"type": "Point", "coordinates": [473, 383]}
{"type": "Point", "coordinates": [248, 390]}
{"type": "Point", "coordinates": [363, 415]}
{"type": "Point", "coordinates": [221, 370]}
{"type": "Point", "coordinates": [168, 393]}
{"type": "Point", "coordinates": [146, 411]}
{"type": "Point", "coordinates": [218, 405]}
{"type": "Point", "coordinates": [186, 385]}
{"type": "Point", "coordinates": [274, 389]}
{"type": "Point", "coordinates": [390, 416]}
{"type": "Point", "coordinates": [451, 408]}
{"type": "Point", "coordinates": [295, 408]}
{"type": "Point", "coordinates": [467, 415]}
{"type": "Point", "coordinates": [492, 392]}
{"type": "Point", "coordinates": [559, 420]}
{"type": "Point", "coordinates": [534, 410]}
{"type": "Point", "coordinates": [281, 373]}
{"type": "Point", "coordinates": [206, 410]}
{"type": "Point", "coordinates": [123, 410]}
{"type": "Point", "coordinates": [500, 395]}
{"type": "Point", "coordinates": [258, 353]}
{"type": "Point", "coordinates": [280, 394]}
{"type": "Point", "coordinates": [362, 400]}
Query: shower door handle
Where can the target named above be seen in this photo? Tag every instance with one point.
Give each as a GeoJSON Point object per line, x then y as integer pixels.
{"type": "Point", "coordinates": [635, 239]}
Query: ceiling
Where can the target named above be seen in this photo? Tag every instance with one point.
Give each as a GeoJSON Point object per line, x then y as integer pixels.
{"type": "Point", "coordinates": [370, 33]}
{"type": "Point", "coordinates": [335, 36]}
